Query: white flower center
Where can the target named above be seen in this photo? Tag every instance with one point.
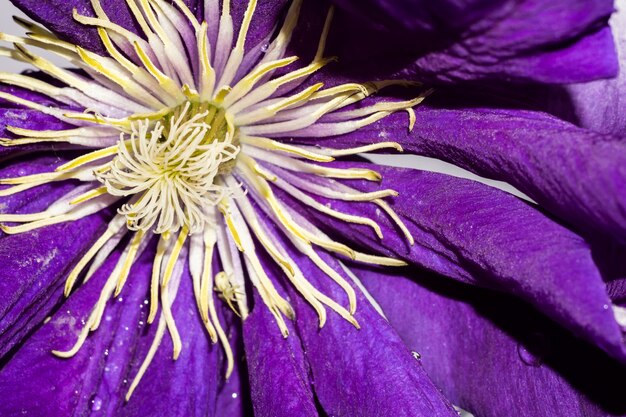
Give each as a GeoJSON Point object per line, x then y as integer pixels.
{"type": "Point", "coordinates": [171, 169]}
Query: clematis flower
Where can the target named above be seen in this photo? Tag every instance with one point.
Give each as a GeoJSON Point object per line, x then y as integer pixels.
{"type": "Point", "coordinates": [188, 227]}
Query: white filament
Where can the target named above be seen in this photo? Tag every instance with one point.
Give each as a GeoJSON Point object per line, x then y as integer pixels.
{"type": "Point", "coordinates": [171, 171]}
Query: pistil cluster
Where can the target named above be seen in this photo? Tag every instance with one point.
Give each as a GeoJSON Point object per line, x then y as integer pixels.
{"type": "Point", "coordinates": [172, 169]}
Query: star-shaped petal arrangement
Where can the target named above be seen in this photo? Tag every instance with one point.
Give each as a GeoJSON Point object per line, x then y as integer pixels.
{"type": "Point", "coordinates": [194, 185]}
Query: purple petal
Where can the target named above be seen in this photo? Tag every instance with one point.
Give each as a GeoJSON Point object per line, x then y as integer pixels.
{"type": "Point", "coordinates": [34, 267]}
{"type": "Point", "coordinates": [37, 198]}
{"type": "Point", "coordinates": [233, 396]}
{"type": "Point", "coordinates": [97, 378]}
{"type": "Point", "coordinates": [600, 105]}
{"type": "Point", "coordinates": [492, 354]}
{"type": "Point", "coordinates": [478, 234]}
{"type": "Point", "coordinates": [27, 119]}
{"type": "Point", "coordinates": [279, 380]}
{"type": "Point", "coordinates": [577, 174]}
{"type": "Point", "coordinates": [37, 383]}
{"type": "Point", "coordinates": [529, 40]}
{"type": "Point", "coordinates": [342, 358]}
{"type": "Point", "coordinates": [423, 16]}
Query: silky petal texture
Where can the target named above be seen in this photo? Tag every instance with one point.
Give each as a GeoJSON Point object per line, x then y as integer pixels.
{"type": "Point", "coordinates": [37, 198]}
{"type": "Point", "coordinates": [531, 40]}
{"type": "Point", "coordinates": [57, 16]}
{"type": "Point", "coordinates": [424, 16]}
{"type": "Point", "coordinates": [96, 379]}
{"type": "Point", "coordinates": [492, 354]}
{"type": "Point", "coordinates": [279, 380]}
{"type": "Point", "coordinates": [341, 357]}
{"type": "Point", "coordinates": [34, 266]}
{"type": "Point", "coordinates": [25, 94]}
{"type": "Point", "coordinates": [481, 235]}
{"type": "Point", "coordinates": [52, 386]}
{"type": "Point", "coordinates": [576, 174]}
{"type": "Point", "coordinates": [233, 396]}
{"type": "Point", "coordinates": [362, 372]}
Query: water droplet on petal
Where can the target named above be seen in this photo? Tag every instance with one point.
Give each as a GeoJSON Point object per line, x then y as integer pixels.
{"type": "Point", "coordinates": [235, 395]}
{"type": "Point", "coordinates": [96, 403]}
{"type": "Point", "coordinates": [416, 355]}
{"type": "Point", "coordinates": [535, 350]}
{"type": "Point", "coordinates": [264, 47]}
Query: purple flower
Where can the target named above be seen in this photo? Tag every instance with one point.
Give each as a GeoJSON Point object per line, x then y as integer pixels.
{"type": "Point", "coordinates": [195, 187]}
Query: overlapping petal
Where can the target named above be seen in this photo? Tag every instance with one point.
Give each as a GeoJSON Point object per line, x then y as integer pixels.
{"type": "Point", "coordinates": [491, 354]}
{"type": "Point", "coordinates": [53, 386]}
{"type": "Point", "coordinates": [342, 357]}
{"type": "Point", "coordinates": [478, 234]}
{"type": "Point", "coordinates": [576, 174]}
{"type": "Point", "coordinates": [545, 41]}
{"type": "Point", "coordinates": [279, 375]}
{"type": "Point", "coordinates": [600, 105]}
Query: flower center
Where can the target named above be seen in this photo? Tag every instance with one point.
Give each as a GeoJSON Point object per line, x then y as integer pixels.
{"type": "Point", "coordinates": [202, 119]}
{"type": "Point", "coordinates": [172, 168]}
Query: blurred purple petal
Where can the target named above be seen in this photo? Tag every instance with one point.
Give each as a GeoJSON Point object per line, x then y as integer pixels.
{"type": "Point", "coordinates": [492, 354]}
{"type": "Point", "coordinates": [600, 105]}
{"type": "Point", "coordinates": [532, 40]}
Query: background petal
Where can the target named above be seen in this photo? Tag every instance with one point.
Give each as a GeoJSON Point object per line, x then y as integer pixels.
{"type": "Point", "coordinates": [529, 40]}
{"type": "Point", "coordinates": [492, 354]}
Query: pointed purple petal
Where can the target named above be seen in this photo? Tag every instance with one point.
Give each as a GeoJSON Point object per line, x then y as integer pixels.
{"type": "Point", "coordinates": [34, 267]}
{"type": "Point", "coordinates": [36, 382]}
{"type": "Point", "coordinates": [186, 386]}
{"type": "Point", "coordinates": [341, 357]}
{"type": "Point", "coordinates": [367, 371]}
{"type": "Point", "coordinates": [56, 15]}
{"type": "Point", "coordinates": [27, 119]}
